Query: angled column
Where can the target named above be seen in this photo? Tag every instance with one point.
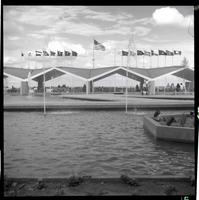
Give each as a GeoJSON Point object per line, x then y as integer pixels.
{"type": "Point", "coordinates": [89, 87]}
{"type": "Point", "coordinates": [151, 87]}
{"type": "Point", "coordinates": [40, 85]}
{"type": "Point", "coordinates": [141, 85]}
{"type": "Point", "coordinates": [24, 88]}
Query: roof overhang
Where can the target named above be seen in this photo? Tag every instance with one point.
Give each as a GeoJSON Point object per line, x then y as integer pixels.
{"type": "Point", "coordinates": [72, 74]}
{"type": "Point", "coordinates": [12, 76]}
{"type": "Point", "coordinates": [54, 72]}
{"type": "Point", "coordinates": [49, 74]}
{"type": "Point", "coordinates": [97, 74]}
{"type": "Point", "coordinates": [186, 73]}
{"type": "Point", "coordinates": [122, 71]}
{"type": "Point", "coordinates": [166, 74]}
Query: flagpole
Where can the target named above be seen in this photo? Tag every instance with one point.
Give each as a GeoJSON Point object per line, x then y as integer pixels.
{"type": "Point", "coordinates": [172, 58]}
{"type": "Point", "coordinates": [143, 61]}
{"type": "Point", "coordinates": [158, 59]}
{"type": "Point", "coordinates": [71, 60]}
{"type": "Point", "coordinates": [44, 92]}
{"type": "Point", "coordinates": [93, 56]}
{"type": "Point", "coordinates": [126, 90]}
{"type": "Point", "coordinates": [134, 49]}
{"type": "Point", "coordinates": [136, 59]}
{"type": "Point", "coordinates": [126, 108]}
{"type": "Point", "coordinates": [114, 90]}
{"type": "Point", "coordinates": [114, 56]}
{"type": "Point", "coordinates": [150, 61]}
{"type": "Point", "coordinates": [128, 61]}
{"type": "Point", "coordinates": [180, 54]}
{"type": "Point", "coordinates": [93, 66]}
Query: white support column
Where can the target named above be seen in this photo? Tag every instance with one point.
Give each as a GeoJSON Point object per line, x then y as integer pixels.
{"type": "Point", "coordinates": [24, 88]}
{"type": "Point", "coordinates": [89, 87]}
{"type": "Point", "coordinates": [151, 87]}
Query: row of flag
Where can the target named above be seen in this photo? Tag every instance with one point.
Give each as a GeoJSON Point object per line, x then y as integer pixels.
{"type": "Point", "coordinates": [51, 53]}
{"type": "Point", "coordinates": [151, 53]}
{"type": "Point", "coordinates": [99, 46]}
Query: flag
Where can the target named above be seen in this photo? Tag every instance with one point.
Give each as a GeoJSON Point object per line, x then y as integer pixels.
{"type": "Point", "coordinates": [162, 53]}
{"type": "Point", "coordinates": [147, 53]}
{"type": "Point", "coordinates": [98, 46]}
{"type": "Point", "coordinates": [177, 52]}
{"type": "Point", "coordinates": [169, 53]}
{"type": "Point", "coordinates": [59, 53]}
{"type": "Point", "coordinates": [45, 53]}
{"type": "Point", "coordinates": [67, 53]}
{"type": "Point", "coordinates": [153, 54]}
{"type": "Point", "coordinates": [124, 53]}
{"type": "Point", "coordinates": [38, 53]}
{"type": "Point", "coordinates": [52, 53]}
{"type": "Point", "coordinates": [140, 53]}
{"type": "Point", "coordinates": [22, 54]}
{"type": "Point", "coordinates": [74, 53]}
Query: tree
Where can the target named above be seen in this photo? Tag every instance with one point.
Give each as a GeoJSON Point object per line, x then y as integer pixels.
{"type": "Point", "coordinates": [185, 62]}
{"type": "Point", "coordinates": [178, 87]}
{"type": "Point", "coordinates": [168, 87]}
{"type": "Point", "coordinates": [84, 88]}
{"type": "Point", "coordinates": [137, 88]}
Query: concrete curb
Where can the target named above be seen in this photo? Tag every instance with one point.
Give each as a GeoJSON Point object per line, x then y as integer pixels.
{"type": "Point", "coordinates": [169, 133]}
{"type": "Point", "coordinates": [96, 107]}
{"type": "Point", "coordinates": [138, 178]}
{"type": "Point", "coordinates": [167, 98]}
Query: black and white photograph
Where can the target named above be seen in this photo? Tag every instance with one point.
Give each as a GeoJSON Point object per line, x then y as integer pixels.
{"type": "Point", "coordinates": [98, 101]}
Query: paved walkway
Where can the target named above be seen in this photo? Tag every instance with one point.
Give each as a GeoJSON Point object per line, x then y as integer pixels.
{"type": "Point", "coordinates": [92, 101]}
{"type": "Point", "coordinates": [88, 186]}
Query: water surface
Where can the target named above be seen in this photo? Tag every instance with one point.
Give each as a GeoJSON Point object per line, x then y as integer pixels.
{"type": "Point", "coordinates": [96, 143]}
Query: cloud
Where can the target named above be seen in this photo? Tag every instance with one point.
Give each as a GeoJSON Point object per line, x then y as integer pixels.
{"type": "Point", "coordinates": [13, 38]}
{"type": "Point", "coordinates": [9, 60]}
{"type": "Point", "coordinates": [47, 20]}
{"type": "Point", "coordinates": [85, 29]}
{"type": "Point", "coordinates": [171, 16]}
{"type": "Point", "coordinates": [142, 21]}
{"type": "Point", "coordinates": [155, 39]}
{"type": "Point", "coordinates": [41, 15]}
{"type": "Point", "coordinates": [37, 36]}
{"type": "Point", "coordinates": [189, 21]}
{"type": "Point", "coordinates": [11, 27]}
{"type": "Point", "coordinates": [61, 45]}
{"type": "Point", "coordinates": [141, 31]}
{"type": "Point", "coordinates": [105, 16]}
{"type": "Point", "coordinates": [88, 64]}
{"type": "Point", "coordinates": [110, 44]}
{"type": "Point", "coordinates": [102, 17]}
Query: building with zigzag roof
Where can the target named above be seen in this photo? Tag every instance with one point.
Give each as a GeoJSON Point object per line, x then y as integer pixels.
{"type": "Point", "coordinates": [90, 76]}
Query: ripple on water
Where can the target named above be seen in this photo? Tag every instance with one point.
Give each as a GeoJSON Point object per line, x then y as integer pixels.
{"type": "Point", "coordinates": [90, 143]}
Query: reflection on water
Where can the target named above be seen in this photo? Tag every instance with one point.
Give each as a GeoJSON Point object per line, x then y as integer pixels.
{"type": "Point", "coordinates": [100, 144]}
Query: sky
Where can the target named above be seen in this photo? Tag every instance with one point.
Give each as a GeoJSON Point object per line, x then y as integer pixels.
{"type": "Point", "coordinates": [30, 28]}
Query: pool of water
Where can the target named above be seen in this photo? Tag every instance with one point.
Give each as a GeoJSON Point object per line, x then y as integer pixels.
{"type": "Point", "coordinates": [100, 144]}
